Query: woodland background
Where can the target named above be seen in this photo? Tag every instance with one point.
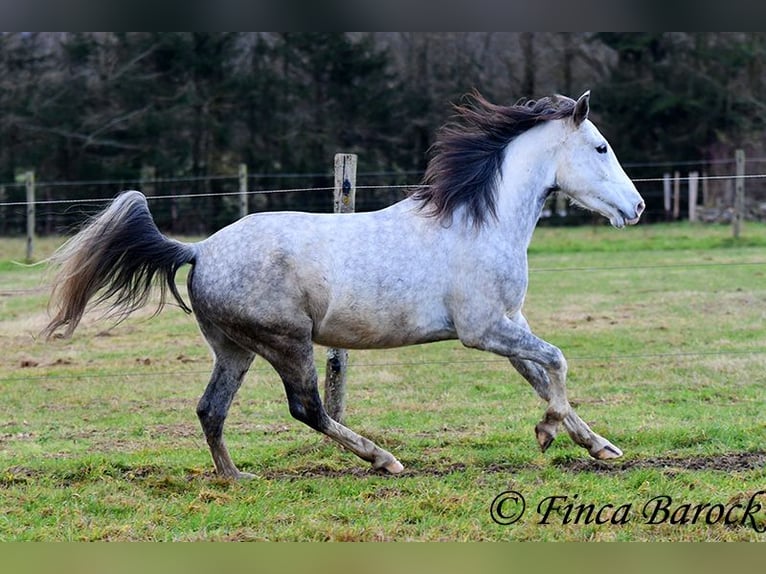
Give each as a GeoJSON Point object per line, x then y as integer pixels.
{"type": "Point", "coordinates": [79, 107]}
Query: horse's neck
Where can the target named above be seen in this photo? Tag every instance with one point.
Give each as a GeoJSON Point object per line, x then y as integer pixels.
{"type": "Point", "coordinates": [527, 173]}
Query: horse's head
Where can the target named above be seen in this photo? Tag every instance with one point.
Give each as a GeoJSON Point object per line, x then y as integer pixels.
{"type": "Point", "coordinates": [588, 171]}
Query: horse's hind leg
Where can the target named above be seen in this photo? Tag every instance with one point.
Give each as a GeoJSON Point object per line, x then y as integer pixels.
{"type": "Point", "coordinates": [295, 364]}
{"type": "Point", "coordinates": [231, 364]}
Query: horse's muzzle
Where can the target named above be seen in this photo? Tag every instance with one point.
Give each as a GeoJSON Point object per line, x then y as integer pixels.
{"type": "Point", "coordinates": [639, 209]}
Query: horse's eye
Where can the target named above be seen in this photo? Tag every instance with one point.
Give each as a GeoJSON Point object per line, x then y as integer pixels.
{"type": "Point", "coordinates": [601, 148]}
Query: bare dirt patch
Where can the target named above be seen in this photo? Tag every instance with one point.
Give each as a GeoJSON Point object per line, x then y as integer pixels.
{"type": "Point", "coordinates": [728, 462]}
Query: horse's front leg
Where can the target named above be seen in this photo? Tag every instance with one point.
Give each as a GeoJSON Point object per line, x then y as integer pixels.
{"type": "Point", "coordinates": [540, 362]}
{"type": "Point", "coordinates": [537, 376]}
{"type": "Point", "coordinates": [545, 367]}
{"type": "Point", "coordinates": [581, 433]}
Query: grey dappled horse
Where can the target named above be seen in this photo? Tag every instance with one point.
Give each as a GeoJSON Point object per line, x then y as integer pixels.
{"type": "Point", "coordinates": [447, 262]}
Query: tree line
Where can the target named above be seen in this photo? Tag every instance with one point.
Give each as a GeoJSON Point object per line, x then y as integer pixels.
{"type": "Point", "coordinates": [107, 106]}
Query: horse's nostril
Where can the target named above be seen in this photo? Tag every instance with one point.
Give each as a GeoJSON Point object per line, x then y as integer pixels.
{"type": "Point", "coordinates": [640, 208]}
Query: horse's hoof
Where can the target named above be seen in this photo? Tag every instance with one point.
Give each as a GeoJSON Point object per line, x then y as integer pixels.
{"type": "Point", "coordinates": [544, 438]}
{"type": "Point", "coordinates": [607, 452]}
{"type": "Point", "coordinates": [236, 475]}
{"type": "Point", "coordinates": [392, 466]}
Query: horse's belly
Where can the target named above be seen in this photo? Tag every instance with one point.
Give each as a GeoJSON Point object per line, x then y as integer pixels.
{"type": "Point", "coordinates": [356, 329]}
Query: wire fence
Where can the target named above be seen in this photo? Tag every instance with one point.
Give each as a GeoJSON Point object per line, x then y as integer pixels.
{"type": "Point", "coordinates": [99, 200]}
{"type": "Point", "coordinates": [187, 205]}
{"type": "Point", "coordinates": [381, 195]}
{"type": "Point", "coordinates": [203, 204]}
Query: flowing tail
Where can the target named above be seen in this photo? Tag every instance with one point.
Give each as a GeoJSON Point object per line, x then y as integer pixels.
{"type": "Point", "coordinates": [115, 257]}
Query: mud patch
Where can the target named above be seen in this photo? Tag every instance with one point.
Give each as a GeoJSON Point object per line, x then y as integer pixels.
{"type": "Point", "coordinates": [727, 462]}
{"type": "Point", "coordinates": [324, 471]}
{"type": "Point", "coordinates": [158, 478]}
{"type": "Point", "coordinates": [17, 475]}
{"type": "Point", "coordinates": [319, 471]}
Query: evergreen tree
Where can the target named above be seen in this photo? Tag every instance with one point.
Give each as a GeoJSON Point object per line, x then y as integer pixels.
{"type": "Point", "coordinates": [673, 96]}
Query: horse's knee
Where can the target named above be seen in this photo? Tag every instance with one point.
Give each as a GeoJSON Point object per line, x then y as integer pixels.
{"type": "Point", "coordinates": [557, 361]}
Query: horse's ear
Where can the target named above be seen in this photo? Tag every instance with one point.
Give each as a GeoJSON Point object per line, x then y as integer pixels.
{"type": "Point", "coordinates": [581, 108]}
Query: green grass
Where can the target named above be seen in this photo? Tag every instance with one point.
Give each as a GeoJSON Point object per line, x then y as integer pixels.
{"type": "Point", "coordinates": [663, 327]}
{"type": "Point", "coordinates": [675, 236]}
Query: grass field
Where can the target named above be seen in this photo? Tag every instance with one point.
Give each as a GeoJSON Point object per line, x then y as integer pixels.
{"type": "Point", "coordinates": [664, 329]}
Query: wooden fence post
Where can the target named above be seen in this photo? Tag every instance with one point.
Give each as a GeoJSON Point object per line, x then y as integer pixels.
{"type": "Point", "coordinates": [666, 195]}
{"type": "Point", "coordinates": [30, 185]}
{"type": "Point", "coordinates": [337, 359]}
{"type": "Point", "coordinates": [242, 189]}
{"type": "Point", "coordinates": [693, 188]}
{"type": "Point", "coordinates": [677, 196]}
{"type": "Point", "coordinates": [739, 193]}
{"type": "Point", "coordinates": [705, 190]}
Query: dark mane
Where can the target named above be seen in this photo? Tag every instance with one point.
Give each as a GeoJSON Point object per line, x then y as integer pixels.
{"type": "Point", "coordinates": [468, 153]}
